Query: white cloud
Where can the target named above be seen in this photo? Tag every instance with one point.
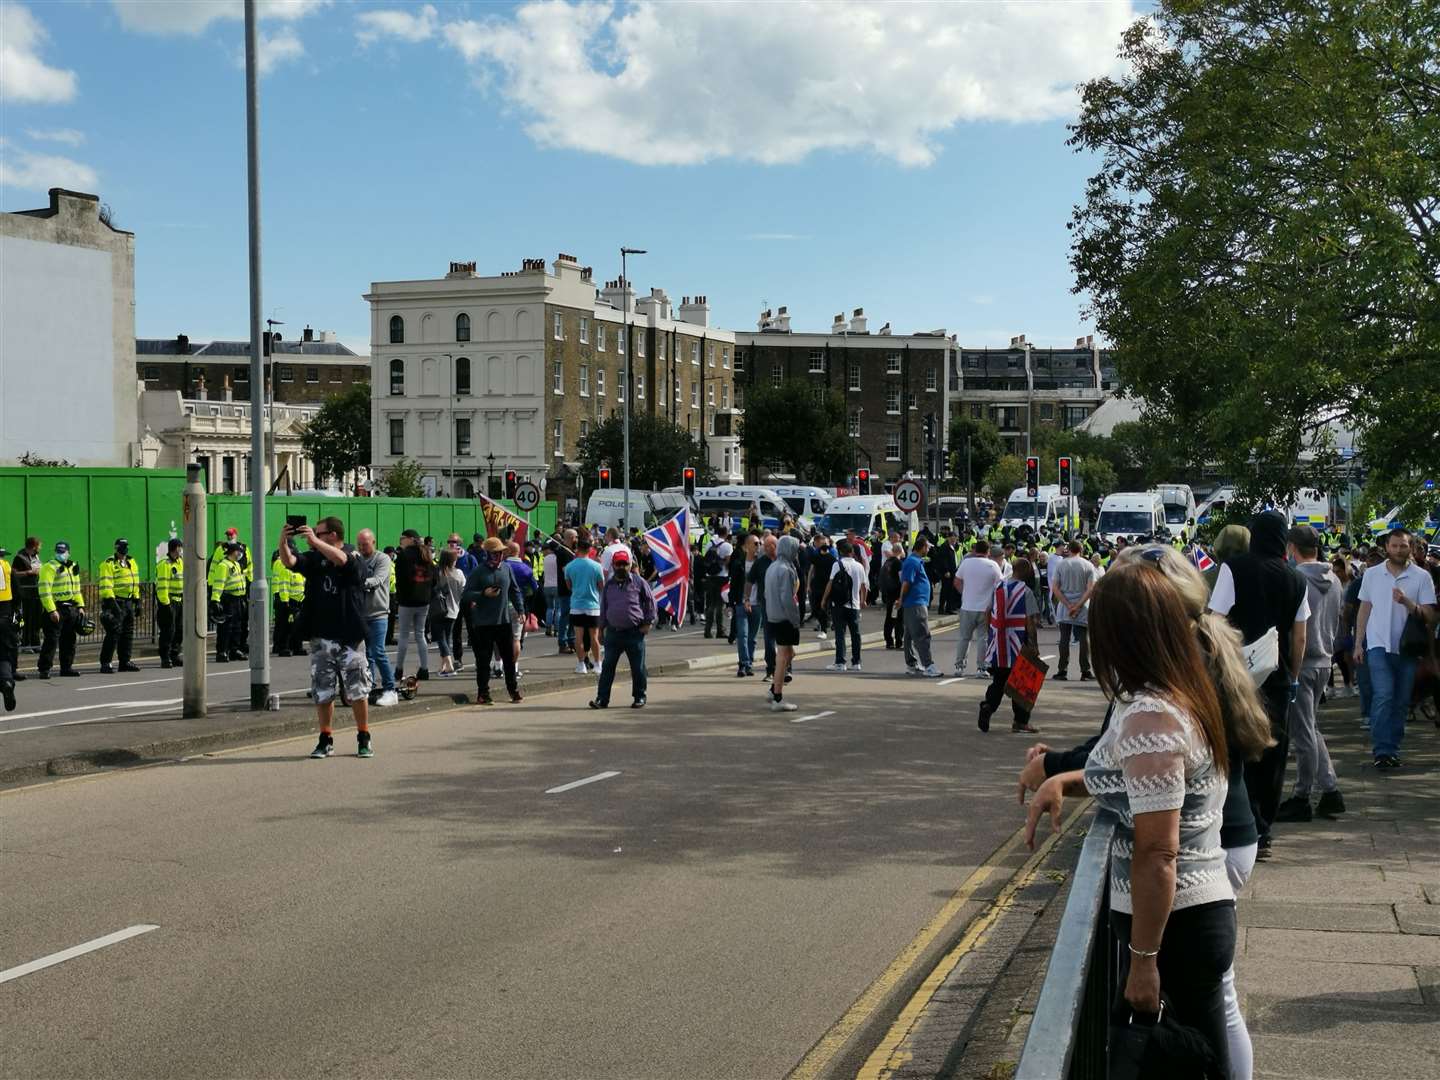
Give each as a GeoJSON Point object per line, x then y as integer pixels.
{"type": "Point", "coordinates": [68, 136]}
{"type": "Point", "coordinates": [40, 172]}
{"type": "Point", "coordinates": [374, 25]}
{"type": "Point", "coordinates": [680, 84]}
{"type": "Point", "coordinates": [23, 75]}
{"type": "Point", "coordinates": [193, 16]}
{"type": "Point", "coordinates": [276, 49]}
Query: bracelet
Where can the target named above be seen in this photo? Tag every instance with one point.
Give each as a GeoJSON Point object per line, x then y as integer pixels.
{"type": "Point", "coordinates": [1142, 953]}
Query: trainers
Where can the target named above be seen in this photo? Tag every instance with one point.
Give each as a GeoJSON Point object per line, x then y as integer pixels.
{"type": "Point", "coordinates": [597, 704]}
{"type": "Point", "coordinates": [834, 667]}
{"type": "Point", "coordinates": [914, 669]}
{"type": "Point", "coordinates": [106, 669]}
{"type": "Point", "coordinates": [423, 674]}
{"type": "Point", "coordinates": [1295, 808]}
{"type": "Point", "coordinates": [854, 667]}
{"type": "Point", "coordinates": [594, 667]}
{"type": "Point", "coordinates": [388, 699]}
{"type": "Point", "coordinates": [517, 697]}
{"type": "Point", "coordinates": [982, 720]}
{"type": "Point", "coordinates": [932, 672]}
{"type": "Point", "coordinates": [483, 699]}
{"type": "Point", "coordinates": [1060, 676]}
{"type": "Point", "coordinates": [580, 669]}
{"type": "Point", "coordinates": [1387, 761]}
{"type": "Point", "coordinates": [821, 635]}
{"type": "Point", "coordinates": [780, 705]}
{"type": "Point", "coordinates": [958, 671]}
{"type": "Point", "coordinates": [324, 748]}
{"type": "Point", "coordinates": [1025, 727]}
{"type": "Point", "coordinates": [363, 750]}
{"type": "Point", "coordinates": [1330, 804]}
{"type": "Point", "coordinates": [1086, 676]}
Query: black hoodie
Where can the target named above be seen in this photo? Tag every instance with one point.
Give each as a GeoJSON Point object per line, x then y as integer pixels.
{"type": "Point", "coordinates": [1268, 590]}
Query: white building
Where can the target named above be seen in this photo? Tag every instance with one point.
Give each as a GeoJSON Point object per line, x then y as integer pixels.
{"type": "Point", "coordinates": [67, 335]}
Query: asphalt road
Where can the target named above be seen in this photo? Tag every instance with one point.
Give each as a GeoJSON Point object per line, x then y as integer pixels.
{"type": "Point", "coordinates": [458, 906]}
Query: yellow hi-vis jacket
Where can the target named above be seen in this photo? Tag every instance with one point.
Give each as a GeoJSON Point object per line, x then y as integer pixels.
{"type": "Point", "coordinates": [218, 555]}
{"type": "Point", "coordinates": [59, 584]}
{"type": "Point", "coordinates": [230, 580]}
{"type": "Point", "coordinates": [119, 578]}
{"type": "Point", "coordinates": [170, 581]}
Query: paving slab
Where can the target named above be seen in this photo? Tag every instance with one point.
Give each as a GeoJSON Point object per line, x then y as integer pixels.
{"type": "Point", "coordinates": [1291, 915]}
{"type": "Point", "coordinates": [1418, 918]}
{"type": "Point", "coordinates": [1323, 1016]}
{"type": "Point", "coordinates": [1301, 978]}
{"type": "Point", "coordinates": [1279, 1056]}
{"type": "Point", "coordinates": [1343, 946]}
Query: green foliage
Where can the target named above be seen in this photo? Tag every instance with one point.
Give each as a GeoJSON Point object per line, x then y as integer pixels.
{"type": "Point", "coordinates": [658, 451]}
{"type": "Point", "coordinates": [33, 460]}
{"type": "Point", "coordinates": [1005, 476]}
{"type": "Point", "coordinates": [786, 429]}
{"type": "Point", "coordinates": [985, 447]}
{"type": "Point", "coordinates": [1261, 242]}
{"type": "Point", "coordinates": [338, 438]}
{"type": "Point", "coordinates": [402, 480]}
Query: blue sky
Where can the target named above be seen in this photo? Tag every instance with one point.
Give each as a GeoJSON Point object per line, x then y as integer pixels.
{"type": "Point", "coordinates": [907, 158]}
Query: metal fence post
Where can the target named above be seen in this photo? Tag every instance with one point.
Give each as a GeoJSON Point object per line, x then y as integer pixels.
{"type": "Point", "coordinates": [197, 608]}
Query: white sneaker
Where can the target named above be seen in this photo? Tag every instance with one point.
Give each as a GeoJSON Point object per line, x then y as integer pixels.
{"type": "Point", "coordinates": [820, 634]}
{"type": "Point", "coordinates": [581, 668]}
{"type": "Point", "coordinates": [958, 671]}
{"type": "Point", "coordinates": [834, 667]}
{"type": "Point", "coordinates": [594, 667]}
{"type": "Point", "coordinates": [932, 672]}
{"type": "Point", "coordinates": [854, 667]}
{"type": "Point", "coordinates": [913, 669]}
{"type": "Point", "coordinates": [782, 706]}
{"type": "Point", "coordinates": [980, 675]}
{"type": "Point", "coordinates": [387, 700]}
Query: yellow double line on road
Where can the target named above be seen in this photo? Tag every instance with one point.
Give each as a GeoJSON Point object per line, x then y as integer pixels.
{"type": "Point", "coordinates": [890, 1055]}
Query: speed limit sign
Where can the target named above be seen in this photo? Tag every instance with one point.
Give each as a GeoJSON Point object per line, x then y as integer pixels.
{"type": "Point", "coordinates": [527, 496]}
{"type": "Point", "coordinates": [909, 495]}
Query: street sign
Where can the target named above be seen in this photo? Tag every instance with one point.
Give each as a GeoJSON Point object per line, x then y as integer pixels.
{"type": "Point", "coordinates": [909, 496]}
{"type": "Point", "coordinates": [527, 496]}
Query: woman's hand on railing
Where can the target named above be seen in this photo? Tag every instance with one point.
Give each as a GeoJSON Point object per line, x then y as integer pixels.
{"type": "Point", "coordinates": [1032, 775]}
{"type": "Point", "coordinates": [1048, 798]}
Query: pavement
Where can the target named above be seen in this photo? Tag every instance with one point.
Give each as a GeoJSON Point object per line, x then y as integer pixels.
{"type": "Point", "coordinates": [702, 888]}
{"type": "Point", "coordinates": [1338, 959]}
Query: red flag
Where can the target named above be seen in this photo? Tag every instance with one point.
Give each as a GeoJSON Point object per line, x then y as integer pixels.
{"type": "Point", "coordinates": [502, 522]}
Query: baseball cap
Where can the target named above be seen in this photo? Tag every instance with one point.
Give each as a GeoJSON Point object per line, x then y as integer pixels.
{"type": "Point", "coordinates": [232, 531]}
{"type": "Point", "coordinates": [411, 533]}
{"type": "Point", "coordinates": [621, 557]}
{"type": "Point", "coordinates": [61, 546]}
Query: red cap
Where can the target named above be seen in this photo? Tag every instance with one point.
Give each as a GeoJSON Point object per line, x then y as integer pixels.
{"type": "Point", "coordinates": [232, 531]}
{"type": "Point", "coordinates": [621, 556]}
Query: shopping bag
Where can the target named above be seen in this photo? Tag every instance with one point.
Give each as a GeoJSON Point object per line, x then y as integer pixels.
{"type": "Point", "coordinates": [1262, 656]}
{"type": "Point", "coordinates": [1026, 678]}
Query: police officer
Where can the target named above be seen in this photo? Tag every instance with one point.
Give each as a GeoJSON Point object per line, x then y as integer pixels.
{"type": "Point", "coordinates": [247, 567]}
{"type": "Point", "coordinates": [227, 603]}
{"type": "Point", "coordinates": [169, 602]}
{"type": "Point", "coordinates": [280, 604]}
{"type": "Point", "coordinates": [119, 583]}
{"type": "Point", "coordinates": [63, 608]}
{"type": "Point", "coordinates": [9, 636]}
{"type": "Point", "coordinates": [295, 590]}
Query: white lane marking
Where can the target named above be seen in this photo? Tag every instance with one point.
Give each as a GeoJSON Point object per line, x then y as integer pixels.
{"type": "Point", "coordinates": [581, 783]}
{"type": "Point", "coordinates": [812, 716]}
{"type": "Point", "coordinates": [88, 719]}
{"type": "Point", "coordinates": [151, 682]}
{"type": "Point", "coordinates": [947, 682]}
{"type": "Point", "coordinates": [78, 950]}
{"type": "Point", "coordinates": [1050, 657]}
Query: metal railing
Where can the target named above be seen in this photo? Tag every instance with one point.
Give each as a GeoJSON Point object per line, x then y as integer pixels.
{"type": "Point", "coordinates": [1070, 1028]}
{"type": "Point", "coordinates": [146, 627]}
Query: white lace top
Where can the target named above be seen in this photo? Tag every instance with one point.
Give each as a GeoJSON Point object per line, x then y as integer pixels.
{"type": "Point", "coordinates": [1153, 758]}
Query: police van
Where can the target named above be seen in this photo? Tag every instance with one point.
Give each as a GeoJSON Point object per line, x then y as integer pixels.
{"type": "Point", "coordinates": [866, 514]}
{"type": "Point", "coordinates": [1179, 503]}
{"type": "Point", "coordinates": [1047, 510]}
{"type": "Point", "coordinates": [806, 503]}
{"type": "Point", "coordinates": [738, 501]}
{"type": "Point", "coordinates": [605, 508]}
{"type": "Point", "coordinates": [1129, 514]}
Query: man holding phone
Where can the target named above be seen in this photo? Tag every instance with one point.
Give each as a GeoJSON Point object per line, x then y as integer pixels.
{"type": "Point", "coordinates": [334, 620]}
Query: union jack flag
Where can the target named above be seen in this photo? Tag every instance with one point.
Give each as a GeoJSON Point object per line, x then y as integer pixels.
{"type": "Point", "coordinates": [1201, 560]}
{"type": "Point", "coordinates": [670, 547]}
{"type": "Point", "coordinates": [1007, 624]}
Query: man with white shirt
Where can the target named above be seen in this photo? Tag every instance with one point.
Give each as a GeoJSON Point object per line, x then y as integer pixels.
{"type": "Point", "coordinates": [1389, 594]}
{"type": "Point", "coordinates": [613, 543]}
{"type": "Point", "coordinates": [976, 581]}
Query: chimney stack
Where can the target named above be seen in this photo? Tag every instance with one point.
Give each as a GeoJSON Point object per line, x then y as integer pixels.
{"type": "Point", "coordinates": [1018, 341]}
{"type": "Point", "coordinates": [461, 269]}
{"type": "Point", "coordinates": [695, 310]}
{"type": "Point", "coordinates": [309, 334]}
{"type": "Point", "coordinates": [200, 387]}
{"type": "Point", "coordinates": [782, 320]}
{"type": "Point", "coordinates": [837, 324]}
{"type": "Point", "coordinates": [857, 321]}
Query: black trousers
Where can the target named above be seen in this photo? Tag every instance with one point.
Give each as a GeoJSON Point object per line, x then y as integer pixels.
{"type": "Point", "coordinates": [297, 630]}
{"type": "Point", "coordinates": [231, 632]}
{"type": "Point", "coordinates": [487, 638]}
{"type": "Point", "coordinates": [35, 619]}
{"type": "Point", "coordinates": [1196, 950]}
{"type": "Point", "coordinates": [281, 640]}
{"type": "Point", "coordinates": [123, 635]}
{"type": "Point", "coordinates": [822, 617]}
{"type": "Point", "coordinates": [1265, 779]}
{"type": "Point", "coordinates": [9, 643]}
{"type": "Point", "coordinates": [894, 627]}
{"type": "Point", "coordinates": [61, 633]}
{"type": "Point", "coordinates": [170, 619]}
{"type": "Point", "coordinates": [457, 641]}
{"type": "Point", "coordinates": [714, 608]}
{"type": "Point", "coordinates": [995, 696]}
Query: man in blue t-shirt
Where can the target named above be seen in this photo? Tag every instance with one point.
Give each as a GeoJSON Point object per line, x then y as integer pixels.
{"type": "Point", "coordinates": [585, 578]}
{"type": "Point", "coordinates": [915, 611]}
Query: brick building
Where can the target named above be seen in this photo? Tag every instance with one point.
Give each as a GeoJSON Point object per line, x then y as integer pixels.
{"type": "Point", "coordinates": [307, 369]}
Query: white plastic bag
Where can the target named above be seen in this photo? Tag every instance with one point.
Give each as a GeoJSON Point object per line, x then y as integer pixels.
{"type": "Point", "coordinates": [1262, 656]}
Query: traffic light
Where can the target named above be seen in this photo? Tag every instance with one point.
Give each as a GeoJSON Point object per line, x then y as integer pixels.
{"type": "Point", "coordinates": [688, 479]}
{"type": "Point", "coordinates": [510, 481]}
{"type": "Point", "coordinates": [1064, 471]}
{"type": "Point", "coordinates": [929, 427]}
{"type": "Point", "coordinates": [605, 476]}
{"type": "Point", "coordinates": [1032, 476]}
{"type": "Point", "coordinates": [862, 481]}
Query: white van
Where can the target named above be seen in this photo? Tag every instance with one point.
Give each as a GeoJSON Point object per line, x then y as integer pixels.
{"type": "Point", "coordinates": [1048, 509]}
{"type": "Point", "coordinates": [606, 506]}
{"type": "Point", "coordinates": [806, 503]}
{"type": "Point", "coordinates": [1310, 508]}
{"type": "Point", "coordinates": [1179, 503]}
{"type": "Point", "coordinates": [1133, 513]}
{"type": "Point", "coordinates": [737, 501]}
{"type": "Point", "coordinates": [865, 514]}
{"type": "Point", "coordinates": [1215, 504]}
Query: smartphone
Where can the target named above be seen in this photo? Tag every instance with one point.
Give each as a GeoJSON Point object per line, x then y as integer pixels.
{"type": "Point", "coordinates": [295, 521]}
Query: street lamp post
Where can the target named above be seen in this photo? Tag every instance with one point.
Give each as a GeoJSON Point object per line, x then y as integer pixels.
{"type": "Point", "coordinates": [490, 476]}
{"type": "Point", "coordinates": [629, 387]}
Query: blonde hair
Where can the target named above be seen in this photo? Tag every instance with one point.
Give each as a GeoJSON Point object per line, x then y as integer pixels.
{"type": "Point", "coordinates": [1247, 727]}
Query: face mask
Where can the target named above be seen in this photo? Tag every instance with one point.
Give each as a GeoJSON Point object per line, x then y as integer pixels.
{"type": "Point", "coordinates": [494, 558]}
{"type": "Point", "coordinates": [122, 550]}
{"type": "Point", "coordinates": [63, 556]}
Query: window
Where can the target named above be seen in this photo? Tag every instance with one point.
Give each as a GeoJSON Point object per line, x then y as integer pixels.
{"type": "Point", "coordinates": [1076, 414]}
{"type": "Point", "coordinates": [739, 396]}
{"type": "Point", "coordinates": [710, 422]}
{"type": "Point", "coordinates": [584, 330]}
{"type": "Point", "coordinates": [620, 383]}
{"type": "Point", "coordinates": [892, 399]}
{"type": "Point", "coordinates": [712, 354]}
{"type": "Point", "coordinates": [695, 353]}
{"type": "Point", "coordinates": [584, 429]}
{"type": "Point", "coordinates": [397, 330]}
{"type": "Point", "coordinates": [600, 382]}
{"type": "Point", "coordinates": [559, 327]}
{"type": "Point", "coordinates": [855, 423]}
{"type": "Point", "coordinates": [660, 347]}
{"type": "Point", "coordinates": [817, 361]}
{"type": "Point", "coordinates": [462, 327]}
{"type": "Point", "coordinates": [777, 373]}
{"type": "Point", "coordinates": [694, 395]}
{"type": "Point", "coordinates": [932, 380]}
{"type": "Point", "coordinates": [397, 436]}
{"type": "Point", "coordinates": [462, 437]}
{"type": "Point", "coordinates": [287, 373]}
{"type": "Point", "coordinates": [739, 359]}
{"type": "Point", "coordinates": [640, 345]}
{"type": "Point", "coordinates": [725, 357]}
{"type": "Point", "coordinates": [397, 378]}
{"type": "Point", "coordinates": [677, 392]}
{"type": "Point", "coordinates": [724, 395]}
{"type": "Point", "coordinates": [817, 395]}
{"type": "Point", "coordinates": [557, 432]}
{"type": "Point", "coordinates": [462, 376]}
{"type": "Point", "coordinates": [558, 377]}
{"type": "Point", "coordinates": [584, 380]}
{"type": "Point", "coordinates": [853, 375]}
{"type": "Point", "coordinates": [312, 374]}
{"type": "Point", "coordinates": [241, 374]}
{"type": "Point", "coordinates": [1047, 412]}
{"type": "Point", "coordinates": [639, 387]}
{"type": "Point", "coordinates": [620, 339]}
{"type": "Point", "coordinates": [892, 446]}
{"type": "Point", "coordinates": [710, 394]}
{"type": "Point", "coordinates": [910, 399]}
{"type": "Point", "coordinates": [152, 373]}
{"type": "Point", "coordinates": [975, 411]}
{"type": "Point", "coordinates": [892, 363]}
{"type": "Point", "coordinates": [336, 374]}
{"type": "Point", "coordinates": [599, 337]}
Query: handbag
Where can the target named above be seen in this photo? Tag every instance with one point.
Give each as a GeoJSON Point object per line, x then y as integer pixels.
{"type": "Point", "coordinates": [1142, 1048]}
{"type": "Point", "coordinates": [1262, 656]}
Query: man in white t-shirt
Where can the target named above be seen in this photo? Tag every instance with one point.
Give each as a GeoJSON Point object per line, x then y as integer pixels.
{"type": "Point", "coordinates": [613, 543]}
{"type": "Point", "coordinates": [976, 580]}
{"type": "Point", "coordinates": [1389, 594]}
{"type": "Point", "coordinates": [846, 604]}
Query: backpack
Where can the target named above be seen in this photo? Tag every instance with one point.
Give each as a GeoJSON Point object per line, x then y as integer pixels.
{"type": "Point", "coordinates": [842, 589]}
{"type": "Point", "coordinates": [710, 564]}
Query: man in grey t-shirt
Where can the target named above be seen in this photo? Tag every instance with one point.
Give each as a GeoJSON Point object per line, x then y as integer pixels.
{"type": "Point", "coordinates": [1070, 584]}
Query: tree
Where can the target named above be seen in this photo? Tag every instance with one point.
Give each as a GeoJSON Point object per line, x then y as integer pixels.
{"type": "Point", "coordinates": [32, 460]}
{"type": "Point", "coordinates": [985, 446]}
{"type": "Point", "coordinates": [1005, 476]}
{"type": "Point", "coordinates": [1261, 241]}
{"type": "Point", "coordinates": [792, 429]}
{"type": "Point", "coordinates": [402, 480]}
{"type": "Point", "coordinates": [337, 440]}
{"type": "Point", "coordinates": [658, 451]}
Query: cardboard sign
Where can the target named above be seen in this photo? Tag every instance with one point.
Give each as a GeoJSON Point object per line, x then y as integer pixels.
{"type": "Point", "coordinates": [1026, 679]}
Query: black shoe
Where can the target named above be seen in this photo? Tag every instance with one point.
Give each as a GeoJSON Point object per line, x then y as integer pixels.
{"type": "Point", "coordinates": [638, 703]}
{"type": "Point", "coordinates": [1086, 676]}
{"type": "Point", "coordinates": [44, 674]}
{"type": "Point", "coordinates": [596, 704]}
{"type": "Point", "coordinates": [7, 691]}
{"type": "Point", "coordinates": [282, 652]}
{"type": "Point", "coordinates": [1295, 808]}
{"type": "Point", "coordinates": [423, 674]}
{"type": "Point", "coordinates": [177, 661]}
{"type": "Point", "coordinates": [128, 666]}
{"type": "Point", "coordinates": [106, 669]}
{"type": "Point", "coordinates": [166, 664]}
{"type": "Point", "coordinates": [221, 658]}
{"type": "Point", "coordinates": [708, 634]}
{"type": "Point", "coordinates": [739, 673]}
{"type": "Point", "coordinates": [1330, 804]}
{"type": "Point", "coordinates": [324, 748]}
{"type": "Point", "coordinates": [982, 721]}
{"type": "Point", "coordinates": [71, 673]}
{"type": "Point", "coordinates": [1387, 761]}
{"type": "Point", "coordinates": [1264, 842]}
{"type": "Point", "coordinates": [1060, 676]}
{"type": "Point", "coordinates": [20, 676]}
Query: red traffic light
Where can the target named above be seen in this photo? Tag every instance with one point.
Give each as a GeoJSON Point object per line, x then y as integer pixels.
{"type": "Point", "coordinates": [1064, 471]}
{"type": "Point", "coordinates": [604, 477]}
{"type": "Point", "coordinates": [689, 474]}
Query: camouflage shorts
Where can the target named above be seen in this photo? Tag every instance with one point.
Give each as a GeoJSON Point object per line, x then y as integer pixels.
{"type": "Point", "coordinates": [333, 665]}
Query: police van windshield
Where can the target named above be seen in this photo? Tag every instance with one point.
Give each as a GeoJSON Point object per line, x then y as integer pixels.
{"type": "Point", "coordinates": [1175, 513]}
{"type": "Point", "coordinates": [796, 503]}
{"type": "Point", "coordinates": [1026, 510]}
{"type": "Point", "coordinates": [1136, 522]}
{"type": "Point", "coordinates": [836, 524]}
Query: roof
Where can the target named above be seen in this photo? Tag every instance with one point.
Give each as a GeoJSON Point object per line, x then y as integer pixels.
{"type": "Point", "coordinates": [213, 349]}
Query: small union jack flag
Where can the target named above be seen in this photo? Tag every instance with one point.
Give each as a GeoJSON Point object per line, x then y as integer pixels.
{"type": "Point", "coordinates": [670, 547]}
{"type": "Point", "coordinates": [1007, 624]}
{"type": "Point", "coordinates": [1201, 560]}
